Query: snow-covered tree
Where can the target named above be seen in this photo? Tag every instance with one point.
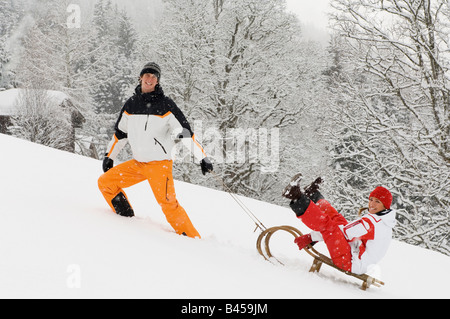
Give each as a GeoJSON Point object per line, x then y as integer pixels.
{"type": "Point", "coordinates": [391, 101]}
{"type": "Point", "coordinates": [55, 56]}
{"type": "Point", "coordinates": [238, 66]}
{"type": "Point", "coordinates": [41, 119]}
{"type": "Point", "coordinates": [93, 62]}
{"type": "Point", "coordinates": [115, 39]}
{"type": "Point", "coordinates": [11, 13]}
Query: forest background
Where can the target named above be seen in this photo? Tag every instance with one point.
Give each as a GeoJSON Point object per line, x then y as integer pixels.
{"type": "Point", "coordinates": [369, 107]}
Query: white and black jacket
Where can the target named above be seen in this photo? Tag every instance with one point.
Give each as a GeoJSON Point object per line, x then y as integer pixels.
{"type": "Point", "coordinates": [152, 123]}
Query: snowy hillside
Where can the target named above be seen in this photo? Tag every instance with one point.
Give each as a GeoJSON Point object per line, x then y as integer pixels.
{"type": "Point", "coordinates": [59, 239]}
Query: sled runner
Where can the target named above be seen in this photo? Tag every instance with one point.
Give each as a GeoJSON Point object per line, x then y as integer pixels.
{"type": "Point", "coordinates": [319, 259]}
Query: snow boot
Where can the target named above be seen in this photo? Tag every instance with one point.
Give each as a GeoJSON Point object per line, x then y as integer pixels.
{"type": "Point", "coordinates": [299, 201]}
{"type": "Point", "coordinates": [122, 206]}
{"type": "Point", "coordinates": [293, 191]}
{"type": "Point", "coordinates": [312, 191]}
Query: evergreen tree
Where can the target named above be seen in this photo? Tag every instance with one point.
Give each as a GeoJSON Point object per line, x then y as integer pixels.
{"type": "Point", "coordinates": [56, 57]}
{"type": "Point", "coordinates": [115, 64]}
{"type": "Point", "coordinates": [11, 13]}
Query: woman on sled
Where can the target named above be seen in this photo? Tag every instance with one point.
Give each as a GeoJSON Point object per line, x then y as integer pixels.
{"type": "Point", "coordinates": [353, 246]}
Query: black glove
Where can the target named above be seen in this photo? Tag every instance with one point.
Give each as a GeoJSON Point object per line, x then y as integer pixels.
{"type": "Point", "coordinates": [184, 134]}
{"type": "Point", "coordinates": [107, 164]}
{"type": "Point", "coordinates": [207, 166]}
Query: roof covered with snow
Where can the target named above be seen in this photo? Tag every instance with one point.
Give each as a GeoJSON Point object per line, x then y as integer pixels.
{"type": "Point", "coordinates": [8, 99]}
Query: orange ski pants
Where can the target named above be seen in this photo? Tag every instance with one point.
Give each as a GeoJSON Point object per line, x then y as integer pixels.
{"type": "Point", "coordinates": [159, 175]}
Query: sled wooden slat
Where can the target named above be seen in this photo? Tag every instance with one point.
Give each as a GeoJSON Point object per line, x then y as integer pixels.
{"type": "Point", "coordinates": [317, 264]}
{"type": "Point", "coordinates": [319, 259]}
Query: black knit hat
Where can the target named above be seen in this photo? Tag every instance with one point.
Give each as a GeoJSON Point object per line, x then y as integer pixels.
{"type": "Point", "coordinates": [152, 68]}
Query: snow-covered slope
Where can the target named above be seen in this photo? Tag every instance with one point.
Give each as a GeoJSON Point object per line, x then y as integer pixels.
{"type": "Point", "coordinates": [59, 239]}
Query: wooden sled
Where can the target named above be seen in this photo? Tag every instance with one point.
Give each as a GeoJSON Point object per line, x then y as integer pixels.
{"type": "Point", "coordinates": [319, 259]}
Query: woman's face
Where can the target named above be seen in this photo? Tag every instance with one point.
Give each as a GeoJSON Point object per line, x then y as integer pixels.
{"type": "Point", "coordinates": [375, 205]}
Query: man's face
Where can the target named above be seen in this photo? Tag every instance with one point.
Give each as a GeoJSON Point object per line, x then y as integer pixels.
{"type": "Point", "coordinates": [148, 82]}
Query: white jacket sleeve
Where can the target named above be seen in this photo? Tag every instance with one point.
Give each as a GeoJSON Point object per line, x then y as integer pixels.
{"type": "Point", "coordinates": [115, 146]}
{"type": "Point", "coordinates": [182, 130]}
{"type": "Point", "coordinates": [195, 148]}
{"type": "Point", "coordinates": [120, 138]}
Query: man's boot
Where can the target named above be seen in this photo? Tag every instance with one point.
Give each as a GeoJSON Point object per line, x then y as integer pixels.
{"type": "Point", "coordinates": [122, 206]}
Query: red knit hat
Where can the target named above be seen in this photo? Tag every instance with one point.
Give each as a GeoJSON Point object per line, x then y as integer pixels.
{"type": "Point", "coordinates": [383, 195]}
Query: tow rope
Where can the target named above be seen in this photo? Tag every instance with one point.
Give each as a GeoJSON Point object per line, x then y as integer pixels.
{"type": "Point", "coordinates": [247, 210]}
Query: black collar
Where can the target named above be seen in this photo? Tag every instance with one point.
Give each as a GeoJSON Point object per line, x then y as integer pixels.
{"type": "Point", "coordinates": [158, 91]}
{"type": "Point", "coordinates": [384, 212]}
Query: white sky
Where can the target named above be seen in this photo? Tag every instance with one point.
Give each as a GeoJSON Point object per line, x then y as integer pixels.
{"type": "Point", "coordinates": [310, 11]}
